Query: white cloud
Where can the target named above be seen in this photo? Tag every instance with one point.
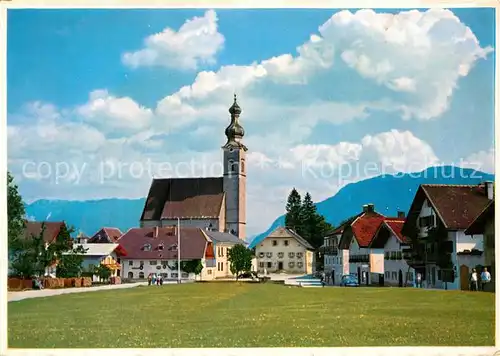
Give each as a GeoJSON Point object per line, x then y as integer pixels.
{"type": "Point", "coordinates": [196, 42]}
{"type": "Point", "coordinates": [483, 161]}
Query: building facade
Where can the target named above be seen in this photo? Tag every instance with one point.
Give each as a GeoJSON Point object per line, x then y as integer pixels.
{"type": "Point", "coordinates": [284, 251]}
{"type": "Point", "coordinates": [442, 252]}
{"type": "Point", "coordinates": [215, 203]}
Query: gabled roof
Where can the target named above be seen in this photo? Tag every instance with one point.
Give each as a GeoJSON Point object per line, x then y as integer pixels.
{"type": "Point", "coordinates": [218, 236]}
{"type": "Point", "coordinates": [455, 205]}
{"type": "Point", "coordinates": [163, 245]}
{"type": "Point", "coordinates": [365, 226]}
{"type": "Point", "coordinates": [172, 198]}
{"type": "Point", "coordinates": [477, 226]}
{"type": "Point", "coordinates": [285, 232]}
{"type": "Point", "coordinates": [391, 227]}
{"type": "Point", "coordinates": [106, 235]}
{"type": "Point", "coordinates": [35, 228]}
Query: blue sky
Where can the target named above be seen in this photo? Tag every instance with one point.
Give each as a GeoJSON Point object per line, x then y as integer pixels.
{"type": "Point", "coordinates": [318, 88]}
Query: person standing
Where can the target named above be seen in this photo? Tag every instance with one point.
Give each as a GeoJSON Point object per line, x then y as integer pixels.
{"type": "Point", "coordinates": [419, 280]}
{"type": "Point", "coordinates": [473, 280]}
{"type": "Point", "coordinates": [333, 277]}
{"type": "Point", "coordinates": [485, 278]}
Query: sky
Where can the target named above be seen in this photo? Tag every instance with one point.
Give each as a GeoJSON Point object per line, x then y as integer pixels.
{"type": "Point", "coordinates": [102, 101]}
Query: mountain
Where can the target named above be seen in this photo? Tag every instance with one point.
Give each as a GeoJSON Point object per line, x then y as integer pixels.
{"type": "Point", "coordinates": [389, 194]}
{"type": "Point", "coordinates": [89, 216]}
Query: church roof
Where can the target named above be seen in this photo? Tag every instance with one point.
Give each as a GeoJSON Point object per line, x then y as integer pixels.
{"type": "Point", "coordinates": [171, 198]}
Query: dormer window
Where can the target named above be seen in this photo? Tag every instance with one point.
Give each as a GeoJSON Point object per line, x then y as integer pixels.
{"type": "Point", "coordinates": [146, 247]}
{"type": "Point", "coordinates": [160, 247]}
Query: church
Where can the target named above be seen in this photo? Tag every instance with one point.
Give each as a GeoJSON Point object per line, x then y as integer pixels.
{"type": "Point", "coordinates": [211, 203]}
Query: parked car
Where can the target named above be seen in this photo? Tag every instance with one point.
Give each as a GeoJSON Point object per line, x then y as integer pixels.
{"type": "Point", "coordinates": [348, 280]}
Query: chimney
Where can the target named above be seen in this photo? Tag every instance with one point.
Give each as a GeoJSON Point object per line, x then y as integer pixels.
{"type": "Point", "coordinates": [401, 214]}
{"type": "Point", "coordinates": [488, 187]}
{"type": "Point", "coordinates": [155, 232]}
{"type": "Point", "coordinates": [365, 208]}
{"type": "Point", "coordinates": [370, 208]}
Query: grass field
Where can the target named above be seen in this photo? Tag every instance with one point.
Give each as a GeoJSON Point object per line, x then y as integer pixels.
{"type": "Point", "coordinates": [252, 315]}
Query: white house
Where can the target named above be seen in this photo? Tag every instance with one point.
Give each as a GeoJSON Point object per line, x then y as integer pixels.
{"type": "Point", "coordinates": [445, 211]}
{"type": "Point", "coordinates": [107, 254]}
{"type": "Point", "coordinates": [286, 251]}
{"type": "Point", "coordinates": [388, 265]}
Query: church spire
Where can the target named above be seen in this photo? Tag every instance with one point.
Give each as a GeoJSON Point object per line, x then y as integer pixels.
{"type": "Point", "coordinates": [235, 132]}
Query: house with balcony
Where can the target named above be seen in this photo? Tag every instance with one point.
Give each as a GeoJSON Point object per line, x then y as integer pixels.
{"type": "Point", "coordinates": [283, 250]}
{"type": "Point", "coordinates": [354, 244]}
{"type": "Point", "coordinates": [435, 228]}
{"type": "Point", "coordinates": [484, 225]}
{"type": "Point", "coordinates": [389, 253]}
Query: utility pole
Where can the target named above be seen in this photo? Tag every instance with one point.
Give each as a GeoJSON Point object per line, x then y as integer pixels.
{"type": "Point", "coordinates": [178, 250]}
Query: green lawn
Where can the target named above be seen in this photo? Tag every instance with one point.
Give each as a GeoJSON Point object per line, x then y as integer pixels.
{"type": "Point", "coordinates": [252, 315]}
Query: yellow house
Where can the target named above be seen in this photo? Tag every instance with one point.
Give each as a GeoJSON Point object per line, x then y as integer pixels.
{"type": "Point", "coordinates": [284, 251]}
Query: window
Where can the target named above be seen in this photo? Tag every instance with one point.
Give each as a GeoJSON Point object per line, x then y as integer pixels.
{"type": "Point", "coordinates": [91, 267]}
{"type": "Point", "coordinates": [426, 221]}
{"type": "Point", "coordinates": [394, 275]}
{"type": "Point", "coordinates": [130, 263]}
{"type": "Point", "coordinates": [280, 254]}
{"type": "Point", "coordinates": [242, 166]}
{"type": "Point", "coordinates": [286, 242]}
{"type": "Point", "coordinates": [275, 243]}
{"type": "Point", "coordinates": [164, 275]}
{"type": "Point", "coordinates": [174, 275]}
{"type": "Point", "coordinates": [184, 275]}
{"type": "Point", "coordinates": [141, 263]}
{"type": "Point", "coordinates": [160, 247]}
{"type": "Point", "coordinates": [152, 263]}
{"type": "Point", "coordinates": [291, 254]}
{"type": "Point", "coordinates": [130, 275]}
{"type": "Point", "coordinates": [387, 275]}
{"type": "Point", "coordinates": [141, 275]}
{"type": "Point", "coordinates": [231, 166]}
{"type": "Point", "coordinates": [291, 264]}
{"type": "Point", "coordinates": [209, 271]}
{"type": "Point", "coordinates": [146, 247]}
{"type": "Point", "coordinates": [261, 264]}
{"type": "Point", "coordinates": [269, 254]}
{"type": "Point", "coordinates": [300, 264]}
{"type": "Point", "coordinates": [261, 254]}
{"type": "Point", "coordinates": [410, 276]}
{"type": "Point", "coordinates": [269, 265]}
{"type": "Point", "coordinates": [299, 254]}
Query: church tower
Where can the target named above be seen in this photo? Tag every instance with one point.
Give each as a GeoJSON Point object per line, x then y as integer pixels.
{"type": "Point", "coordinates": [235, 175]}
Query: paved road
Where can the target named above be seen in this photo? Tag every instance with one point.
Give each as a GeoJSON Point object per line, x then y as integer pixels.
{"type": "Point", "coordinates": [15, 296]}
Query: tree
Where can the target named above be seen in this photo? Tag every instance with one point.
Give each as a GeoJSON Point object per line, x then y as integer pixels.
{"type": "Point", "coordinates": [192, 266]}
{"type": "Point", "coordinates": [15, 217]}
{"type": "Point", "coordinates": [103, 272]}
{"type": "Point", "coordinates": [70, 265]}
{"type": "Point", "coordinates": [314, 225]}
{"type": "Point", "coordinates": [240, 258]}
{"type": "Point", "coordinates": [294, 211]}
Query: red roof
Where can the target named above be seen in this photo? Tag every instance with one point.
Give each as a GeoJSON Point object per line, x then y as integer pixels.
{"type": "Point", "coordinates": [106, 235]}
{"type": "Point", "coordinates": [163, 246]}
{"type": "Point", "coordinates": [35, 228]}
{"type": "Point", "coordinates": [396, 225]}
{"type": "Point", "coordinates": [365, 227]}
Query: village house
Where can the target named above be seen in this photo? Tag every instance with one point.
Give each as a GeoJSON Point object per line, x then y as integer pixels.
{"type": "Point", "coordinates": [107, 254]}
{"type": "Point", "coordinates": [217, 203]}
{"type": "Point", "coordinates": [52, 230]}
{"type": "Point", "coordinates": [332, 257]}
{"type": "Point", "coordinates": [484, 225]}
{"type": "Point", "coordinates": [439, 215]}
{"type": "Point", "coordinates": [222, 243]}
{"type": "Point", "coordinates": [106, 235]}
{"type": "Point", "coordinates": [388, 264]}
{"type": "Point", "coordinates": [154, 250]}
{"type": "Point", "coordinates": [284, 251]}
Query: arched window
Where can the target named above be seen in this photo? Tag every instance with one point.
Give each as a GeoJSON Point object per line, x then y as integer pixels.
{"type": "Point", "coordinates": [131, 275]}
{"type": "Point", "coordinates": [232, 166]}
